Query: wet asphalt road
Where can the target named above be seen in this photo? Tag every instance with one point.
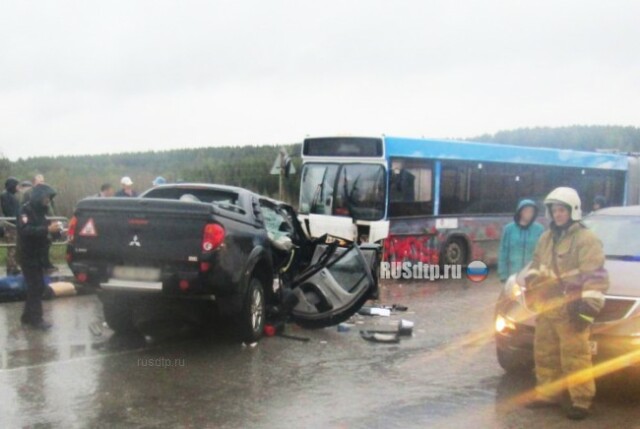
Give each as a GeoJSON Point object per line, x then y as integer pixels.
{"type": "Point", "coordinates": [445, 375]}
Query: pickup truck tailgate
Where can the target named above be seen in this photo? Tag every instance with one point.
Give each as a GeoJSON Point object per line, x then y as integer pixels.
{"type": "Point", "coordinates": [140, 231]}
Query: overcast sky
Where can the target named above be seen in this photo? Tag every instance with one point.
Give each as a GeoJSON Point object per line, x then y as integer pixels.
{"type": "Point", "coordinates": [82, 77]}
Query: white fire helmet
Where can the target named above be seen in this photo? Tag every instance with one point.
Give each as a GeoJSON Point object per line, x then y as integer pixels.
{"type": "Point", "coordinates": [566, 196]}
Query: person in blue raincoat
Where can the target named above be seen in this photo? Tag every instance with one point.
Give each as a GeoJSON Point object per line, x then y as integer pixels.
{"type": "Point", "coordinates": [519, 239]}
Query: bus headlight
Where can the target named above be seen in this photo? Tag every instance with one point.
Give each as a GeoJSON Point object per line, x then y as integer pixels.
{"type": "Point", "coordinates": [502, 324]}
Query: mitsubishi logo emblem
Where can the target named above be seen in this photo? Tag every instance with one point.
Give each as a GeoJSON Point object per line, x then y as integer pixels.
{"type": "Point", "coordinates": [135, 242]}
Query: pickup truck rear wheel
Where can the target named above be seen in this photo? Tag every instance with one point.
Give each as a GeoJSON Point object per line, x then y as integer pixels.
{"type": "Point", "coordinates": [118, 313]}
{"type": "Point", "coordinates": [252, 317]}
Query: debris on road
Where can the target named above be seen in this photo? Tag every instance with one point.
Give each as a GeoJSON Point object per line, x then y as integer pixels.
{"type": "Point", "coordinates": [345, 327]}
{"type": "Point", "coordinates": [277, 329]}
{"type": "Point", "coordinates": [381, 310]}
{"type": "Point", "coordinates": [374, 311]}
{"type": "Point", "coordinates": [271, 329]}
{"type": "Point", "coordinates": [405, 328]}
{"type": "Point", "coordinates": [380, 337]}
{"type": "Point", "coordinates": [388, 331]}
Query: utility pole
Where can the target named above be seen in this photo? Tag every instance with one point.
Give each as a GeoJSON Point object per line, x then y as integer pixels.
{"type": "Point", "coordinates": [283, 162]}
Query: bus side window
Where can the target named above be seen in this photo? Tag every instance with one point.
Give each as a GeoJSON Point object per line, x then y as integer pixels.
{"type": "Point", "coordinates": [454, 188]}
{"type": "Point", "coordinates": [410, 188]}
{"type": "Point", "coordinates": [403, 186]}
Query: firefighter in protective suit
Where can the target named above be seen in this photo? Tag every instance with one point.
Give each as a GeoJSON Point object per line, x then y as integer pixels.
{"type": "Point", "coordinates": [565, 287]}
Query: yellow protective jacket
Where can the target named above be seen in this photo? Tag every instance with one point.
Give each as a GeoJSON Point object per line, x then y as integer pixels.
{"type": "Point", "coordinates": [567, 265]}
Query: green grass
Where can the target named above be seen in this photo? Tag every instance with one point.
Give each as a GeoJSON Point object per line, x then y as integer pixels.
{"type": "Point", "coordinates": [57, 255]}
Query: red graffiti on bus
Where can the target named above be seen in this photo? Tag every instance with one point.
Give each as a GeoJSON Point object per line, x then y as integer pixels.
{"type": "Point", "coordinates": [419, 248]}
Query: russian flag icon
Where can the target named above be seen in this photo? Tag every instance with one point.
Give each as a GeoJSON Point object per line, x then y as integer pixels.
{"type": "Point", "coordinates": [477, 271]}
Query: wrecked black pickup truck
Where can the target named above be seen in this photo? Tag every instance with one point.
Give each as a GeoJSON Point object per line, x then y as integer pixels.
{"type": "Point", "coordinates": [224, 245]}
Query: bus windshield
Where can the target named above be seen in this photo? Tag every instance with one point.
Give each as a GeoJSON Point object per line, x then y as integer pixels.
{"type": "Point", "coordinates": [354, 190]}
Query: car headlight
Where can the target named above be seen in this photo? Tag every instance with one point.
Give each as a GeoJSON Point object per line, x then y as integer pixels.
{"type": "Point", "coordinates": [502, 324]}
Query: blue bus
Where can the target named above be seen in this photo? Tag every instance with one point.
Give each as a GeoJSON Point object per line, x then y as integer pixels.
{"type": "Point", "coordinates": [443, 201]}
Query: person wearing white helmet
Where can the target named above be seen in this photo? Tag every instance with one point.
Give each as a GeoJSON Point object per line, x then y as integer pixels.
{"type": "Point", "coordinates": [127, 188]}
{"type": "Point", "coordinates": [565, 286]}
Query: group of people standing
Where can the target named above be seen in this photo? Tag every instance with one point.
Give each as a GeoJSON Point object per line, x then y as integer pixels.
{"type": "Point", "coordinates": [16, 195]}
{"type": "Point", "coordinates": [29, 231]}
{"type": "Point", "coordinates": [565, 286]}
{"type": "Point", "coordinates": [126, 188]}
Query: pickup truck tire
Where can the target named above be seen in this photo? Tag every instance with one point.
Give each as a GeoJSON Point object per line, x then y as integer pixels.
{"type": "Point", "coordinates": [252, 316]}
{"type": "Point", "coordinates": [118, 313]}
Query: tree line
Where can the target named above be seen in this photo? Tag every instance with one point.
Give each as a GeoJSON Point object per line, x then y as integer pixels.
{"type": "Point", "coordinates": [578, 137]}
{"type": "Point", "coordinates": [76, 177]}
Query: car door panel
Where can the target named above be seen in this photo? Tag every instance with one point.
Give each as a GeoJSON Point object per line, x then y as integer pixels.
{"type": "Point", "coordinates": [330, 279]}
{"type": "Point", "coordinates": [334, 286]}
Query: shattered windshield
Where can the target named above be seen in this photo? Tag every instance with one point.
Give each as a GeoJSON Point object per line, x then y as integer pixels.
{"type": "Point", "coordinates": [354, 190]}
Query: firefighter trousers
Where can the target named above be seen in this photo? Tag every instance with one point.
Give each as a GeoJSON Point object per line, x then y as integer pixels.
{"type": "Point", "coordinates": [563, 360]}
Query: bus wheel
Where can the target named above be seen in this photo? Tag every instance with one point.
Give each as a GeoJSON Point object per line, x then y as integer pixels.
{"type": "Point", "coordinates": [455, 252]}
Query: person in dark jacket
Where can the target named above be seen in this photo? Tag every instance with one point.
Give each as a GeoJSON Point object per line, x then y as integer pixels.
{"type": "Point", "coordinates": [33, 248]}
{"type": "Point", "coordinates": [10, 206]}
{"type": "Point", "coordinates": [26, 193]}
{"type": "Point", "coordinates": [106, 191]}
{"type": "Point", "coordinates": [38, 179]}
{"type": "Point", "coordinates": [127, 188]}
{"type": "Point", "coordinates": [23, 188]}
{"type": "Point", "coordinates": [519, 239]}
{"type": "Point", "coordinates": [9, 198]}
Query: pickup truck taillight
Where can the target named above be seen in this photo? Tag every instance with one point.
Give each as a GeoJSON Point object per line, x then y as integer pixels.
{"type": "Point", "coordinates": [213, 237]}
{"type": "Point", "coordinates": [71, 232]}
